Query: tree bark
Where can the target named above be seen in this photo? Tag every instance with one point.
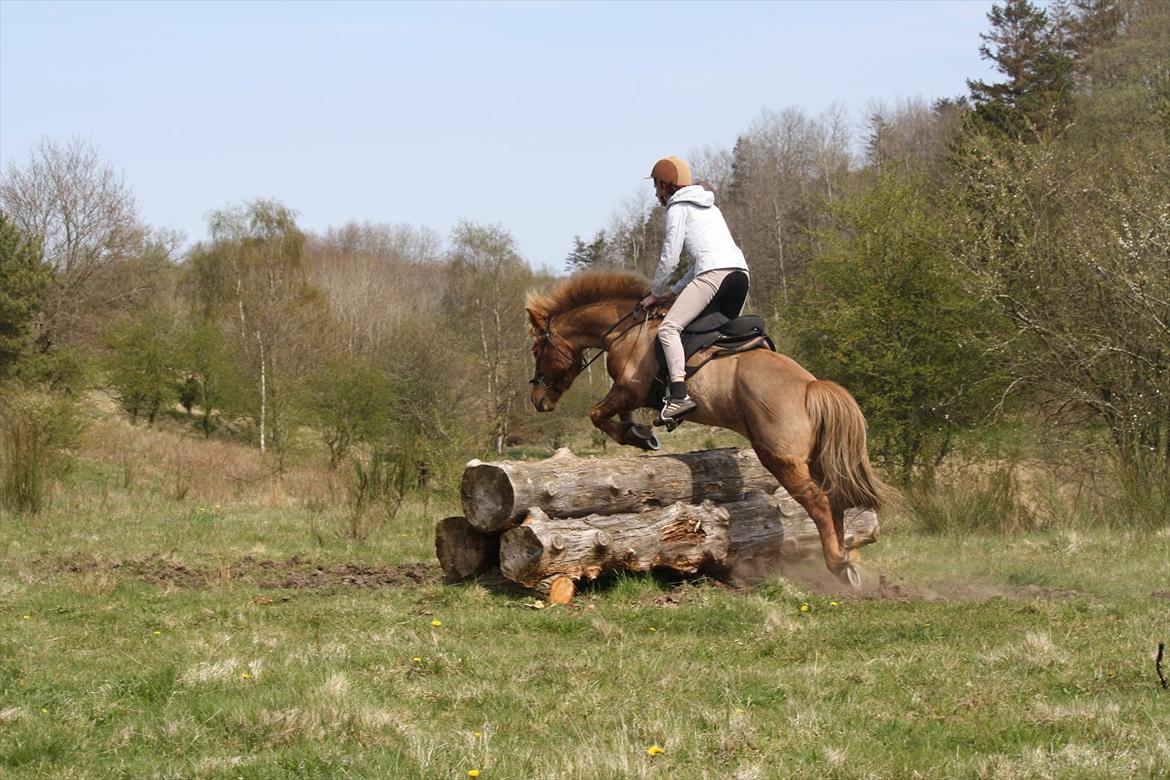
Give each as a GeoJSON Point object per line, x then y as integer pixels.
{"type": "Point", "coordinates": [464, 551]}
{"type": "Point", "coordinates": [740, 539]}
{"type": "Point", "coordinates": [681, 537]}
{"type": "Point", "coordinates": [497, 495]}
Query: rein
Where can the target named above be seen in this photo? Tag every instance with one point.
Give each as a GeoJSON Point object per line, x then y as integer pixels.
{"type": "Point", "coordinates": [579, 365]}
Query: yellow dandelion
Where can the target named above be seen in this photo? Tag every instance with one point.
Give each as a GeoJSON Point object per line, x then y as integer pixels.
{"type": "Point", "coordinates": [804, 607]}
{"type": "Point", "coordinates": [417, 660]}
{"type": "Point", "coordinates": [25, 617]}
{"type": "Point", "coordinates": [436, 623]}
{"type": "Point", "coordinates": [477, 734]}
{"type": "Point", "coordinates": [834, 604]}
{"type": "Point", "coordinates": [654, 750]}
{"type": "Point", "coordinates": [217, 507]}
{"type": "Point", "coordinates": [652, 628]}
{"type": "Point", "coordinates": [473, 773]}
{"type": "Point", "coordinates": [245, 676]}
{"type": "Point", "coordinates": [44, 711]}
{"type": "Point", "coordinates": [158, 633]}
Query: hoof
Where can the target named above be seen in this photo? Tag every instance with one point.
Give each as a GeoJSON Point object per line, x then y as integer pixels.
{"type": "Point", "coordinates": [644, 437]}
{"type": "Point", "coordinates": [849, 575]}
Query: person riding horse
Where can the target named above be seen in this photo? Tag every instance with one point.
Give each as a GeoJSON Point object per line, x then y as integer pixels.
{"type": "Point", "coordinates": [693, 223]}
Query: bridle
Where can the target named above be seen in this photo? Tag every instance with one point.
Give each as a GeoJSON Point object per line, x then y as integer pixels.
{"type": "Point", "coordinates": [578, 365]}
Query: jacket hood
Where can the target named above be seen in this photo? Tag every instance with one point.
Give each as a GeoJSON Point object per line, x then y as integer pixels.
{"type": "Point", "coordinates": [693, 194]}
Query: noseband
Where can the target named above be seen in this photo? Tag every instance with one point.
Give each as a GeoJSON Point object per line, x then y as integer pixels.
{"type": "Point", "coordinates": [575, 369]}
{"type": "Point", "coordinates": [577, 365]}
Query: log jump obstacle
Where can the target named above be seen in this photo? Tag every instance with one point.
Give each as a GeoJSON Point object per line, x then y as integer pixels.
{"type": "Point", "coordinates": [549, 524]}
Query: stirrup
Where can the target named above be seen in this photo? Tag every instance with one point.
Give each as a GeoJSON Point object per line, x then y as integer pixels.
{"type": "Point", "coordinates": [669, 423]}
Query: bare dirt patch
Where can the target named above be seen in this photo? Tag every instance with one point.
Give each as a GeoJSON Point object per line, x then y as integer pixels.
{"type": "Point", "coordinates": [885, 590]}
{"type": "Point", "coordinates": [294, 572]}
{"type": "Point", "coordinates": [812, 575]}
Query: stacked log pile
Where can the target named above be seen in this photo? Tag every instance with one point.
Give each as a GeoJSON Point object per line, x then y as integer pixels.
{"type": "Point", "coordinates": [550, 524]}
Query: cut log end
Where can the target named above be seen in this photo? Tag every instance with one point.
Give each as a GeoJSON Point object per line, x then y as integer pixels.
{"type": "Point", "coordinates": [462, 550]}
{"type": "Point", "coordinates": [557, 589]}
{"type": "Point", "coordinates": [487, 496]}
{"type": "Point", "coordinates": [520, 555]}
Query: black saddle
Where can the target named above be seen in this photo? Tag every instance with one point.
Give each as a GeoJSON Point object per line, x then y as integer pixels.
{"type": "Point", "coordinates": [718, 325]}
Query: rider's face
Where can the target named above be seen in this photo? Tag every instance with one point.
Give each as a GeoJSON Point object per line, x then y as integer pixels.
{"type": "Point", "coordinates": [662, 191]}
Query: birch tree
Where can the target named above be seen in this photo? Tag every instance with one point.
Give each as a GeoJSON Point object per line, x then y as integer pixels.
{"type": "Point", "coordinates": [487, 280]}
{"type": "Point", "coordinates": [251, 276]}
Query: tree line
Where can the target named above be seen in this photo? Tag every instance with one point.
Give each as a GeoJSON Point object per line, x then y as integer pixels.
{"type": "Point", "coordinates": [1009, 246]}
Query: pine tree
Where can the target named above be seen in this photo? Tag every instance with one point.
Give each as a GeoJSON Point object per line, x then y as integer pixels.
{"type": "Point", "coordinates": [23, 276]}
{"type": "Point", "coordinates": [1027, 50]}
{"type": "Point", "coordinates": [578, 257]}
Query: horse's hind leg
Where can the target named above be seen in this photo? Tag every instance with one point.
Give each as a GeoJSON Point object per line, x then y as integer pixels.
{"type": "Point", "coordinates": [849, 573]}
{"type": "Point", "coordinates": [793, 475]}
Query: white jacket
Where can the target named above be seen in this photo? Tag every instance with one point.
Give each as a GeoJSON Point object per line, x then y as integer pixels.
{"type": "Point", "coordinates": [695, 223]}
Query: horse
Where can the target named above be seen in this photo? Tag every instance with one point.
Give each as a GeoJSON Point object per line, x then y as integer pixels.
{"type": "Point", "coordinates": [809, 433]}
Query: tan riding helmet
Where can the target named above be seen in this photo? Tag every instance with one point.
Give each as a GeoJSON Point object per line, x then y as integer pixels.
{"type": "Point", "coordinates": [672, 170]}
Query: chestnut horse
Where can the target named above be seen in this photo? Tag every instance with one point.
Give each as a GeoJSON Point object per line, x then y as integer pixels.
{"type": "Point", "coordinates": [808, 432]}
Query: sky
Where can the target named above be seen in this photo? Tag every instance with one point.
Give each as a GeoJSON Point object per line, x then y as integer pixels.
{"type": "Point", "coordinates": [540, 117]}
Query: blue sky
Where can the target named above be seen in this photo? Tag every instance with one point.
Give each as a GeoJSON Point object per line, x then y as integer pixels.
{"type": "Point", "coordinates": [541, 117]}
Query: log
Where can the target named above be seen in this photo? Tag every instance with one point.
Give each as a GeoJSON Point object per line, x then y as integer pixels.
{"type": "Point", "coordinates": [497, 495]}
{"type": "Point", "coordinates": [681, 537]}
{"type": "Point", "coordinates": [556, 589]}
{"type": "Point", "coordinates": [769, 530]}
{"type": "Point", "coordinates": [739, 539]}
{"type": "Point", "coordinates": [464, 551]}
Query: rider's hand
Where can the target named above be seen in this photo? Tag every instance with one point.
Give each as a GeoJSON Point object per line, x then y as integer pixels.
{"type": "Point", "coordinates": [650, 300]}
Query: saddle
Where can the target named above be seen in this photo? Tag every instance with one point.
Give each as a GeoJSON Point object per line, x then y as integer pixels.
{"type": "Point", "coordinates": [716, 332]}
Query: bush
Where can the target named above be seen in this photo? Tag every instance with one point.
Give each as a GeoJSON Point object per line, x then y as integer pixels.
{"type": "Point", "coordinates": [882, 312]}
{"type": "Point", "coordinates": [65, 371]}
{"type": "Point", "coordinates": [373, 497]}
{"type": "Point", "coordinates": [350, 401]}
{"type": "Point", "coordinates": [35, 432]}
{"type": "Point", "coordinates": [142, 369]}
{"type": "Point", "coordinates": [972, 500]}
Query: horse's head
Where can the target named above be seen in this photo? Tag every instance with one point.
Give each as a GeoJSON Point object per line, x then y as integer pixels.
{"type": "Point", "coordinates": [560, 351]}
{"type": "Point", "coordinates": [557, 363]}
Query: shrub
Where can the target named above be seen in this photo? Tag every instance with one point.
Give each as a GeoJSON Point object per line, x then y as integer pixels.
{"type": "Point", "coordinates": [36, 430]}
{"type": "Point", "coordinates": [882, 312]}
{"type": "Point", "coordinates": [972, 500]}
{"type": "Point", "coordinates": [373, 497]}
{"type": "Point", "coordinates": [142, 368]}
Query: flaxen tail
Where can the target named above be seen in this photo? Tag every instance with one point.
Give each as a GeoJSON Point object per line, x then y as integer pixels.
{"type": "Point", "coordinates": [840, 457]}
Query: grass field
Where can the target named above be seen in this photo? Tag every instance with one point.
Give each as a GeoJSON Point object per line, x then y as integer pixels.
{"type": "Point", "coordinates": [180, 612]}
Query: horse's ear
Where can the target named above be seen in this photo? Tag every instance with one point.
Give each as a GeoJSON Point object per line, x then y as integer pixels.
{"type": "Point", "coordinates": [536, 320]}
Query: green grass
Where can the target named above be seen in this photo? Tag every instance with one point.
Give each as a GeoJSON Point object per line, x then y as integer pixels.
{"type": "Point", "coordinates": [1016, 655]}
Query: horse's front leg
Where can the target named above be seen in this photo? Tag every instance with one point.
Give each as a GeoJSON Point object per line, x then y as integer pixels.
{"type": "Point", "coordinates": [620, 401]}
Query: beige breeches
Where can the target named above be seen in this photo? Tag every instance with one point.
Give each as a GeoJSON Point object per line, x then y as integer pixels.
{"type": "Point", "coordinates": [689, 304]}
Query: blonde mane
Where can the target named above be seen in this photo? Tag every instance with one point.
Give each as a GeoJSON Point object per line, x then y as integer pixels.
{"type": "Point", "coordinates": [583, 288]}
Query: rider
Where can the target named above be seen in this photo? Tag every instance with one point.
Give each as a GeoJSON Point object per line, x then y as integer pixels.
{"type": "Point", "coordinates": [693, 223]}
